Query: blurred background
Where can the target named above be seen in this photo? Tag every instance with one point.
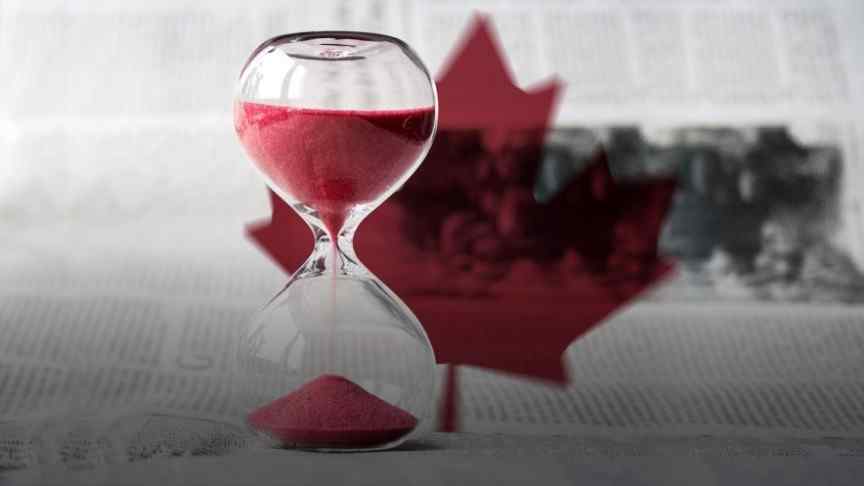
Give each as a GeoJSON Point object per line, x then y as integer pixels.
{"type": "Point", "coordinates": [124, 195]}
{"type": "Point", "coordinates": [118, 114]}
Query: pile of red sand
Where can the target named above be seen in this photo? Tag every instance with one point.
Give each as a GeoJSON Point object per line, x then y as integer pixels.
{"type": "Point", "coordinates": [332, 412]}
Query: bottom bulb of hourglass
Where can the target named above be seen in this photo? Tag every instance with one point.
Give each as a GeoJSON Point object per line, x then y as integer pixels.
{"type": "Point", "coordinates": [336, 362]}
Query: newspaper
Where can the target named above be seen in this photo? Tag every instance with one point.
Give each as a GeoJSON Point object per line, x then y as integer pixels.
{"type": "Point", "coordinates": [142, 377]}
{"type": "Point", "coordinates": [746, 370]}
{"type": "Point", "coordinates": [123, 290]}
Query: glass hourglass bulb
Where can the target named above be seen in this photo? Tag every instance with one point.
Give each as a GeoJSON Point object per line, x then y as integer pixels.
{"type": "Point", "coordinates": [335, 122]}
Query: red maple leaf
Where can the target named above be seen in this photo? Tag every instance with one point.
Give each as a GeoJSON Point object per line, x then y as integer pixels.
{"type": "Point", "coordinates": [500, 280]}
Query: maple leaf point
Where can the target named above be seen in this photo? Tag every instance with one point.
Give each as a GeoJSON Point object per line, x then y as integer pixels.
{"type": "Point", "coordinates": [476, 88]}
{"type": "Point", "coordinates": [285, 238]}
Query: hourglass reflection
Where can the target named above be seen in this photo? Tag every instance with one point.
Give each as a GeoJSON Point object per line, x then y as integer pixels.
{"type": "Point", "coordinates": [335, 122]}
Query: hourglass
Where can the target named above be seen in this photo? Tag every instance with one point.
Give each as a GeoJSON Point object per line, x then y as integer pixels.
{"type": "Point", "coordinates": [336, 122]}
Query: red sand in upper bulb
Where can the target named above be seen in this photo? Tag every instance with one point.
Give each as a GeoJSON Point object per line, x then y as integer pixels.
{"type": "Point", "coordinates": [332, 160]}
{"type": "Point", "coordinates": [332, 412]}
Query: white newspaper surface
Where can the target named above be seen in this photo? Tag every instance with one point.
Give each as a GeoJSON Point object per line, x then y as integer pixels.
{"type": "Point", "coordinates": [124, 277]}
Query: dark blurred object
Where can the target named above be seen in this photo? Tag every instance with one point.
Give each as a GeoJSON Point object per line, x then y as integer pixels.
{"type": "Point", "coordinates": [755, 213]}
{"type": "Point", "coordinates": [478, 210]}
{"type": "Point", "coordinates": [754, 208]}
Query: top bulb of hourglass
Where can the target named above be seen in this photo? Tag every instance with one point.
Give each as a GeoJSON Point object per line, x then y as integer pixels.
{"type": "Point", "coordinates": [335, 121]}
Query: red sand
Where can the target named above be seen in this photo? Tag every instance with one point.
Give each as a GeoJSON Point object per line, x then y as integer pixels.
{"type": "Point", "coordinates": [332, 412]}
{"type": "Point", "coordinates": [332, 159]}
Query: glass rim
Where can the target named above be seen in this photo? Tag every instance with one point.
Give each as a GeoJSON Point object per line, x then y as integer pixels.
{"type": "Point", "coordinates": [336, 34]}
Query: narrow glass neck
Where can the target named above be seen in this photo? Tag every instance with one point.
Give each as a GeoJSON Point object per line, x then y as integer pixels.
{"type": "Point", "coordinates": [333, 256]}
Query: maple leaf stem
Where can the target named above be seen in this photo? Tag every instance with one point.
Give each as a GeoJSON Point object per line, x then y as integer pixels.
{"type": "Point", "coordinates": [449, 401]}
